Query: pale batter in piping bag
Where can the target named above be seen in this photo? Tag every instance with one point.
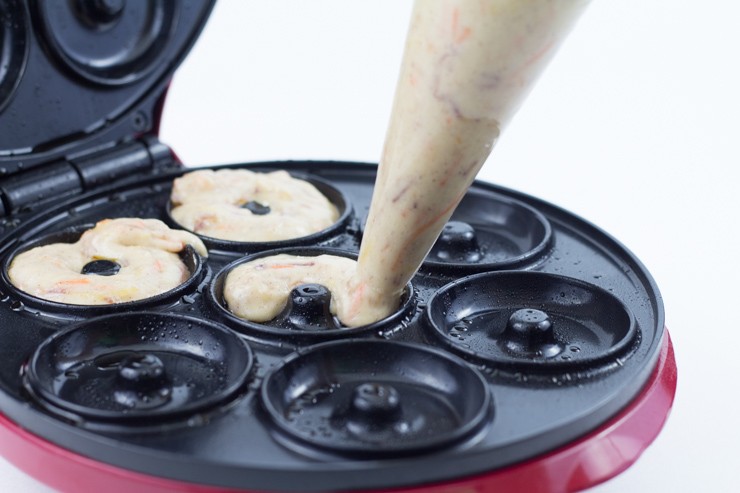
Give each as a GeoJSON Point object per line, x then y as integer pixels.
{"type": "Point", "coordinates": [467, 67]}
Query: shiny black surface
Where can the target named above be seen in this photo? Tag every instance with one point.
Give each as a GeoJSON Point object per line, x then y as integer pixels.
{"type": "Point", "coordinates": [236, 443]}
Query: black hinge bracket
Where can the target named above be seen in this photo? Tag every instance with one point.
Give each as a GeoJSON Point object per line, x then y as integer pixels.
{"type": "Point", "coordinates": [81, 173]}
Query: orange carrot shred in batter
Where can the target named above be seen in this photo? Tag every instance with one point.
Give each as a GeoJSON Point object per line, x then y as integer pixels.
{"type": "Point", "coordinates": [74, 281]}
{"type": "Point", "coordinates": [288, 266]}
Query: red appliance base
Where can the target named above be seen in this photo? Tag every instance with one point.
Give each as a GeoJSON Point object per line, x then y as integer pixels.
{"type": "Point", "coordinates": [593, 459]}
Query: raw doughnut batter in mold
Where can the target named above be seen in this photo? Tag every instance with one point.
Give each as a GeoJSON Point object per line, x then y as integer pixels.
{"type": "Point", "coordinates": [140, 256]}
{"type": "Point", "coordinates": [241, 205]}
{"type": "Point", "coordinates": [258, 290]}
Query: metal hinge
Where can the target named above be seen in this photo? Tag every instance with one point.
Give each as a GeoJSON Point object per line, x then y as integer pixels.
{"type": "Point", "coordinates": [81, 173]}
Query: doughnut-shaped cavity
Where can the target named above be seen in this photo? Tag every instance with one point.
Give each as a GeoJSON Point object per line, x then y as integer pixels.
{"type": "Point", "coordinates": [531, 321]}
{"type": "Point", "coordinates": [107, 42]}
{"type": "Point", "coordinates": [13, 47]}
{"type": "Point", "coordinates": [397, 398]}
{"type": "Point", "coordinates": [138, 367]}
{"type": "Point", "coordinates": [490, 232]}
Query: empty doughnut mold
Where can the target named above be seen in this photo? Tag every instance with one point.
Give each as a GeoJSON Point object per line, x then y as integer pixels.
{"type": "Point", "coordinates": [397, 399]}
{"type": "Point", "coordinates": [492, 233]}
{"type": "Point", "coordinates": [13, 48]}
{"type": "Point", "coordinates": [138, 367]}
{"type": "Point", "coordinates": [531, 320]}
{"type": "Point", "coordinates": [136, 35]}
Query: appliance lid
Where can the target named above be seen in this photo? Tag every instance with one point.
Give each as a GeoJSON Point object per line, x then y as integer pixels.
{"type": "Point", "coordinates": [82, 75]}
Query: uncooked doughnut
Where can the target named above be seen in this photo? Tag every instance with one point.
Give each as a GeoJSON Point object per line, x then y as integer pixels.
{"type": "Point", "coordinates": [210, 203]}
{"type": "Point", "coordinates": [258, 290]}
{"type": "Point", "coordinates": [145, 249]}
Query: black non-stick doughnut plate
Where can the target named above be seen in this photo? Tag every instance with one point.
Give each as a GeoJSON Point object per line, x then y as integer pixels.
{"type": "Point", "coordinates": [556, 329]}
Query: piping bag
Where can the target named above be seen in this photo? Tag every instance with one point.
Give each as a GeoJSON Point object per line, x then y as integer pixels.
{"type": "Point", "coordinates": [467, 67]}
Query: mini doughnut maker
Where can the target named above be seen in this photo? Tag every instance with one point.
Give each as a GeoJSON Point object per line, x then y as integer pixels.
{"type": "Point", "coordinates": [528, 354]}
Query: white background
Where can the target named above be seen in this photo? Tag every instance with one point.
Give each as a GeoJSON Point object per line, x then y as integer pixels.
{"type": "Point", "coordinates": [635, 126]}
